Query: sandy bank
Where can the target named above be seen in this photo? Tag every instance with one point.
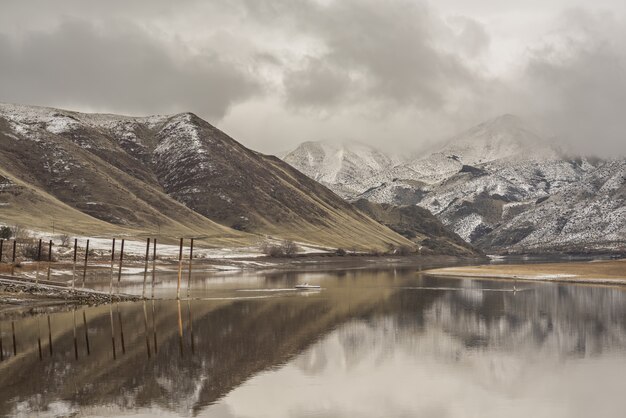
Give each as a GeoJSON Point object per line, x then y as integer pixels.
{"type": "Point", "coordinates": [606, 272]}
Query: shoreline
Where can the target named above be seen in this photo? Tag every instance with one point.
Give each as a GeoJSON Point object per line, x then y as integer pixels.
{"type": "Point", "coordinates": [596, 272]}
{"type": "Point", "coordinates": [20, 292]}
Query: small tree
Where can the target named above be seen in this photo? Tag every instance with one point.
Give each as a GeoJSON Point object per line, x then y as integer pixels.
{"type": "Point", "coordinates": [5, 232]}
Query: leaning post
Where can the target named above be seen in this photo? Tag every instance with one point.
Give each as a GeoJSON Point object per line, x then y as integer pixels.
{"type": "Point", "coordinates": [119, 272]}
{"type": "Point", "coordinates": [190, 262]}
{"type": "Point", "coordinates": [85, 266]}
{"type": "Point", "coordinates": [38, 262]}
{"type": "Point", "coordinates": [74, 263]}
{"type": "Point", "coordinates": [49, 258]}
{"type": "Point", "coordinates": [145, 268]}
{"type": "Point", "coordinates": [111, 289]}
{"type": "Point", "coordinates": [180, 268]}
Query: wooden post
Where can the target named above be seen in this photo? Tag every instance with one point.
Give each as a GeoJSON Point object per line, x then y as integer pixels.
{"type": "Point", "coordinates": [180, 268]}
{"type": "Point", "coordinates": [38, 260]}
{"type": "Point", "coordinates": [49, 336]}
{"type": "Point", "coordinates": [1, 248]}
{"type": "Point", "coordinates": [86, 332]}
{"type": "Point", "coordinates": [49, 258]}
{"type": "Point", "coordinates": [111, 289]}
{"type": "Point", "coordinates": [85, 267]}
{"type": "Point", "coordinates": [119, 273]}
{"type": "Point", "coordinates": [145, 269]}
{"type": "Point", "coordinates": [74, 265]}
{"type": "Point", "coordinates": [190, 262]}
{"type": "Point", "coordinates": [13, 258]}
{"type": "Point", "coordinates": [154, 256]}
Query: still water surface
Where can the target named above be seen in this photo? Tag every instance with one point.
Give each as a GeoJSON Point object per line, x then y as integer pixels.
{"type": "Point", "coordinates": [372, 343]}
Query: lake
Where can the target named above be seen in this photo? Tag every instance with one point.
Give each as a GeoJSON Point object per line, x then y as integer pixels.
{"type": "Point", "coordinates": [385, 342]}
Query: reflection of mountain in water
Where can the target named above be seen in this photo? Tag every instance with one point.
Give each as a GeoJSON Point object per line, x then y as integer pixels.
{"type": "Point", "coordinates": [357, 324]}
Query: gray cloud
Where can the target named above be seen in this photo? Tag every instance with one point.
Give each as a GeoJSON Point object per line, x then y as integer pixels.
{"type": "Point", "coordinates": [118, 67]}
{"type": "Point", "coordinates": [381, 54]}
{"type": "Point", "coordinates": [269, 71]}
{"type": "Point", "coordinates": [578, 83]}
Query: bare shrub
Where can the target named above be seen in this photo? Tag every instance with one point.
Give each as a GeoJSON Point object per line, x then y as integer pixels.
{"type": "Point", "coordinates": [19, 232]}
{"type": "Point", "coordinates": [65, 240]}
{"type": "Point", "coordinates": [340, 252]}
{"type": "Point", "coordinates": [284, 249]}
{"type": "Point", "coordinates": [30, 251]}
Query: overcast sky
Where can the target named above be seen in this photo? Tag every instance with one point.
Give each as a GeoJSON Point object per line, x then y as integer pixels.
{"type": "Point", "coordinates": [274, 73]}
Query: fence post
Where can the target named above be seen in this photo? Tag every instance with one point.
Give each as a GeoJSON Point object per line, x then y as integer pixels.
{"type": "Point", "coordinates": [190, 262]}
{"type": "Point", "coordinates": [13, 258]}
{"type": "Point", "coordinates": [119, 273]}
{"type": "Point", "coordinates": [49, 258]}
{"type": "Point", "coordinates": [38, 262]}
{"type": "Point", "coordinates": [145, 269]}
{"type": "Point", "coordinates": [85, 267]}
{"type": "Point", "coordinates": [74, 264]}
{"type": "Point", "coordinates": [111, 289]}
{"type": "Point", "coordinates": [180, 268]}
{"type": "Point", "coordinates": [154, 256]}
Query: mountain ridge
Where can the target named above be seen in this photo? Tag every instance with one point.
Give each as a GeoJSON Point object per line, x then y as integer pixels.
{"type": "Point", "coordinates": [175, 173]}
{"type": "Point", "coordinates": [503, 187]}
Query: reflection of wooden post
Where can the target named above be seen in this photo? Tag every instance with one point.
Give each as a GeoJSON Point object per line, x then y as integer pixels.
{"type": "Point", "coordinates": [193, 344]}
{"type": "Point", "coordinates": [112, 327]}
{"type": "Point", "coordinates": [49, 258]}
{"type": "Point", "coordinates": [1, 348]}
{"type": "Point", "coordinates": [156, 347]}
{"type": "Point", "coordinates": [86, 332]}
{"type": "Point", "coordinates": [180, 268]}
{"type": "Point", "coordinates": [154, 256]}
{"type": "Point", "coordinates": [38, 260]}
{"type": "Point", "coordinates": [49, 336]}
{"type": "Point", "coordinates": [145, 328]}
{"type": "Point", "coordinates": [85, 267]}
{"type": "Point", "coordinates": [190, 262]}
{"type": "Point", "coordinates": [14, 341]}
{"type": "Point", "coordinates": [180, 329]}
{"type": "Point", "coordinates": [119, 273]}
{"type": "Point", "coordinates": [39, 339]}
{"type": "Point", "coordinates": [75, 341]}
{"type": "Point", "coordinates": [145, 268]}
{"type": "Point", "coordinates": [111, 289]}
{"type": "Point", "coordinates": [74, 263]}
{"type": "Point", "coordinates": [119, 317]}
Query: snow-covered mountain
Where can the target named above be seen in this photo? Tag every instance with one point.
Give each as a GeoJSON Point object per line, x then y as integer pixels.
{"type": "Point", "coordinates": [500, 185]}
{"type": "Point", "coordinates": [176, 174]}
{"type": "Point", "coordinates": [347, 168]}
